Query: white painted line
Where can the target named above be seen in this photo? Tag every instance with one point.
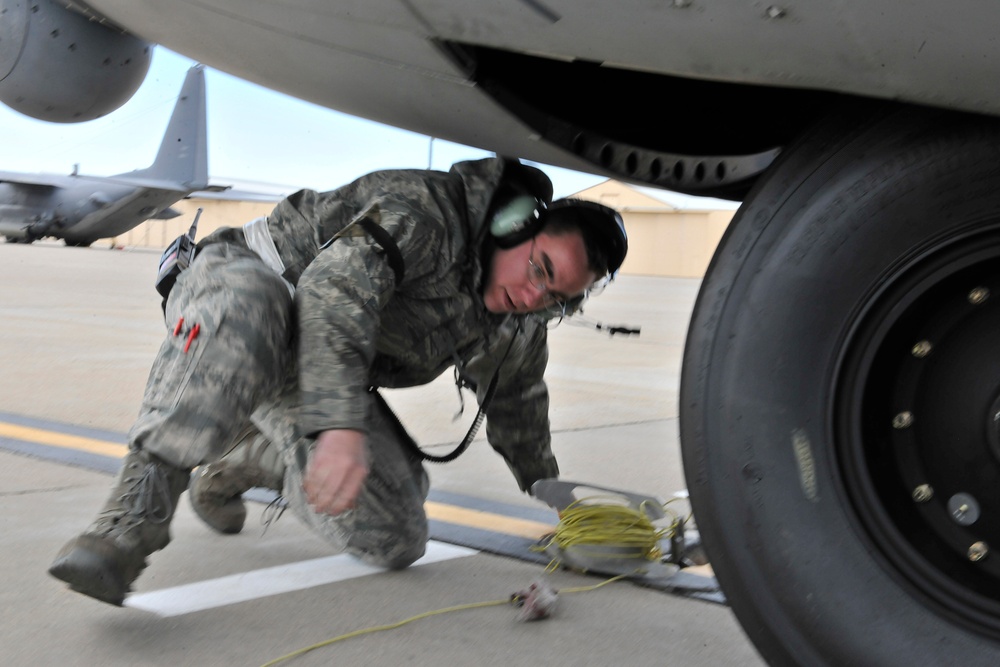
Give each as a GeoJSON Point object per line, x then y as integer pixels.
{"type": "Point", "coordinates": [235, 588]}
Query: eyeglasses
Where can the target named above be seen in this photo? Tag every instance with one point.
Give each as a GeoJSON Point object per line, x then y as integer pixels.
{"type": "Point", "coordinates": [555, 306]}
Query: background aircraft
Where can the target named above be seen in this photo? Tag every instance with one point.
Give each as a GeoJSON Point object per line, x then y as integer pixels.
{"type": "Point", "coordinates": [81, 209]}
{"type": "Point", "coordinates": [840, 400]}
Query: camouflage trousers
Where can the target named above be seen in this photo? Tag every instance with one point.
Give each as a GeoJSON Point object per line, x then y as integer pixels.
{"type": "Point", "coordinates": [387, 526]}
{"type": "Point", "coordinates": [227, 362]}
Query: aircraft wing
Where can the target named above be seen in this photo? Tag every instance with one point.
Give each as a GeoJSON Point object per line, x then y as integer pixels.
{"type": "Point", "coordinates": [140, 182]}
{"type": "Point", "coordinates": [60, 181]}
{"type": "Point", "coordinates": [243, 195]}
{"type": "Point", "coordinates": [122, 211]}
{"type": "Point", "coordinates": [33, 180]}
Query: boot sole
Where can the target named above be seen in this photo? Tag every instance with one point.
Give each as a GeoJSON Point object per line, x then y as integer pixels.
{"type": "Point", "coordinates": [91, 573]}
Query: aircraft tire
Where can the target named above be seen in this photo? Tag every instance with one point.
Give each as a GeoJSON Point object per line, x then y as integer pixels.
{"type": "Point", "coordinates": [842, 354]}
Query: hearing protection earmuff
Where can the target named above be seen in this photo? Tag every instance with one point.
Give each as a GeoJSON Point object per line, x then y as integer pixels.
{"type": "Point", "coordinates": [516, 216]}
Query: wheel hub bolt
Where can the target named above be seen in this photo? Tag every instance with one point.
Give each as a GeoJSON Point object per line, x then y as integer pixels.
{"type": "Point", "coordinates": [964, 509]}
{"type": "Point", "coordinates": [978, 551]}
{"type": "Point", "coordinates": [903, 419]}
{"type": "Point", "coordinates": [921, 349]}
{"type": "Point", "coordinates": [978, 295]}
{"type": "Point", "coordinates": [923, 493]}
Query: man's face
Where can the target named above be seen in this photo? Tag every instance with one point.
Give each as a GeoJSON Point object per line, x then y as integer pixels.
{"type": "Point", "coordinates": [534, 274]}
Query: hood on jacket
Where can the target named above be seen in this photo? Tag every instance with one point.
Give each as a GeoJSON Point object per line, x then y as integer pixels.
{"type": "Point", "coordinates": [482, 179]}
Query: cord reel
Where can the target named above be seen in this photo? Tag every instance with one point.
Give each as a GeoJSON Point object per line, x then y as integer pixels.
{"type": "Point", "coordinates": [612, 532]}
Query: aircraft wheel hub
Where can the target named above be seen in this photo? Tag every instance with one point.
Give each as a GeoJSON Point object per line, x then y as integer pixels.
{"type": "Point", "coordinates": [919, 421]}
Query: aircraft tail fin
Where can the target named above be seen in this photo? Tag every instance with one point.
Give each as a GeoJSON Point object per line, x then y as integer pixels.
{"type": "Point", "coordinates": [183, 154]}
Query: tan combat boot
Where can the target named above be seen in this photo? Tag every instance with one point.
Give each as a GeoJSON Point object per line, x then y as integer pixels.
{"type": "Point", "coordinates": [217, 488]}
{"type": "Point", "coordinates": [105, 560]}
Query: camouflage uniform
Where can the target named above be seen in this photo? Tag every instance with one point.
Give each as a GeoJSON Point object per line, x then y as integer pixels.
{"type": "Point", "coordinates": [295, 367]}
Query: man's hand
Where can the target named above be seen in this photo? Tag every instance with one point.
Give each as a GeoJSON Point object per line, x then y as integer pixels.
{"type": "Point", "coordinates": [336, 471]}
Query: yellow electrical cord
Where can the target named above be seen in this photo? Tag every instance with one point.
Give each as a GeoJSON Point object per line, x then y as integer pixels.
{"type": "Point", "coordinates": [428, 614]}
{"type": "Point", "coordinates": [582, 525]}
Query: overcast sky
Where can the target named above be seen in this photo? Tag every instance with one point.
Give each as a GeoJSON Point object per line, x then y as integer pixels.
{"type": "Point", "coordinates": [254, 135]}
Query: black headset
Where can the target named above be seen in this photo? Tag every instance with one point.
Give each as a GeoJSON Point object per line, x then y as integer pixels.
{"type": "Point", "coordinates": [516, 216]}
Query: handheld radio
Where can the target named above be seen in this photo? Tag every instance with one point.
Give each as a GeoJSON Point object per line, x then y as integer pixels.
{"type": "Point", "coordinates": [176, 258]}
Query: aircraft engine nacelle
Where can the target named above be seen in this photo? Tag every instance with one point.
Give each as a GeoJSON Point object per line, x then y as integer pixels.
{"type": "Point", "coordinates": [60, 66]}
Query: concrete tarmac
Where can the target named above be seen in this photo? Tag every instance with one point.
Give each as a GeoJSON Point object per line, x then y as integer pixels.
{"type": "Point", "coordinates": [80, 330]}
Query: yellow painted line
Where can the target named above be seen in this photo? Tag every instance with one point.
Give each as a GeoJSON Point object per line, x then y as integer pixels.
{"type": "Point", "coordinates": [459, 516]}
{"type": "Point", "coordinates": [64, 440]}
{"type": "Point", "coordinates": [497, 523]}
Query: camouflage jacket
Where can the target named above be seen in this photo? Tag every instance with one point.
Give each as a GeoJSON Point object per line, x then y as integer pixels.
{"type": "Point", "coordinates": [357, 328]}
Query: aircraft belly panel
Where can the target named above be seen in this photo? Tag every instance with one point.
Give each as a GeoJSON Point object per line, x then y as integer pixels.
{"type": "Point", "coordinates": [922, 51]}
{"type": "Point", "coordinates": [437, 101]}
{"type": "Point", "coordinates": [382, 31]}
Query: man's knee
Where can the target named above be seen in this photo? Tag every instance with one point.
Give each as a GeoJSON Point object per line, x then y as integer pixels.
{"type": "Point", "coordinates": [392, 541]}
{"type": "Point", "coordinates": [394, 556]}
